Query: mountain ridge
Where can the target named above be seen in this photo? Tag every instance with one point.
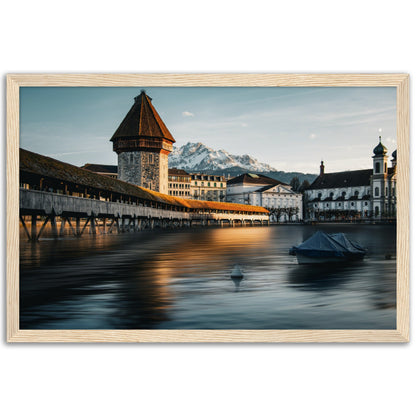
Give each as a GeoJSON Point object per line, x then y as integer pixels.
{"type": "Point", "coordinates": [197, 157]}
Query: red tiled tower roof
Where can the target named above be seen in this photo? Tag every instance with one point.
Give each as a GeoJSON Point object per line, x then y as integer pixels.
{"type": "Point", "coordinates": [142, 121]}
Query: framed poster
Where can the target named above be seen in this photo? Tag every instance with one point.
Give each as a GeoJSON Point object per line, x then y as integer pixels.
{"type": "Point", "coordinates": [208, 208]}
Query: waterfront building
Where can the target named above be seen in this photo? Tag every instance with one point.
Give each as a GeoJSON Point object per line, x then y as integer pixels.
{"type": "Point", "coordinates": [179, 183]}
{"type": "Point", "coordinates": [358, 194]}
{"type": "Point", "coordinates": [283, 203]}
{"type": "Point", "coordinates": [206, 187]}
{"type": "Point", "coordinates": [106, 170]}
{"type": "Point", "coordinates": [143, 143]}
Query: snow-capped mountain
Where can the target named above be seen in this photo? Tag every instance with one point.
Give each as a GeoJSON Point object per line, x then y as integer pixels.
{"type": "Point", "coordinates": [196, 157]}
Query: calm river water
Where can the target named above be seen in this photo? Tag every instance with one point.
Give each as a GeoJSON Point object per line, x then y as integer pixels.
{"type": "Point", "coordinates": [181, 280]}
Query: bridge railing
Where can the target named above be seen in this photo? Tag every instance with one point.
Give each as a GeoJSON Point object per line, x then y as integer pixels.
{"type": "Point", "coordinates": [48, 203]}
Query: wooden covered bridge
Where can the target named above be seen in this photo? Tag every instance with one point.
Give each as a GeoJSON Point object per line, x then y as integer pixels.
{"type": "Point", "coordinates": [60, 196]}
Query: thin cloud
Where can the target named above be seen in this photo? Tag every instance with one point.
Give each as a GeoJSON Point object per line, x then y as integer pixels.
{"type": "Point", "coordinates": [188, 114]}
{"type": "Point", "coordinates": [312, 136]}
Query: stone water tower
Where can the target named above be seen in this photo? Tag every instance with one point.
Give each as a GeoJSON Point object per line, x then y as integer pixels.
{"type": "Point", "coordinates": [143, 143]}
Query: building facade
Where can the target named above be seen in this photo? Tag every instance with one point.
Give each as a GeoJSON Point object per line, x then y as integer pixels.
{"type": "Point", "coordinates": [179, 183]}
{"type": "Point", "coordinates": [208, 187]}
{"type": "Point", "coordinates": [143, 143]}
{"type": "Point", "coordinates": [352, 195]}
{"type": "Point", "coordinates": [283, 203]}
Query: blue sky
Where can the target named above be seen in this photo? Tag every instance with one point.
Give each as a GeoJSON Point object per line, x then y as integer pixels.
{"type": "Point", "coordinates": [290, 128]}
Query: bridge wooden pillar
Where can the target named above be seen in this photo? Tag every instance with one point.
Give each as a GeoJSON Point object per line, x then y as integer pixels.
{"type": "Point", "coordinates": [78, 226]}
{"type": "Point", "coordinates": [53, 226]}
{"type": "Point", "coordinates": [33, 232]}
{"type": "Point", "coordinates": [62, 229]}
{"type": "Point", "coordinates": [93, 229]}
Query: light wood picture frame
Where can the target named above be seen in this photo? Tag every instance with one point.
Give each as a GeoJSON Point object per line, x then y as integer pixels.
{"type": "Point", "coordinates": [16, 81]}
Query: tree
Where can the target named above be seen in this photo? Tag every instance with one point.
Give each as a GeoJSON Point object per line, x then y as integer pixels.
{"type": "Point", "coordinates": [295, 183]}
{"type": "Point", "coordinates": [305, 185]}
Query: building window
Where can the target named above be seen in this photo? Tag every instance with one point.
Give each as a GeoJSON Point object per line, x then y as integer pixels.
{"type": "Point", "coordinates": [376, 211]}
{"type": "Point", "coordinates": [365, 203]}
{"type": "Point", "coordinates": [387, 191]}
{"type": "Point", "coordinates": [377, 167]}
{"type": "Point", "coordinates": [376, 191]}
{"type": "Point", "coordinates": [385, 168]}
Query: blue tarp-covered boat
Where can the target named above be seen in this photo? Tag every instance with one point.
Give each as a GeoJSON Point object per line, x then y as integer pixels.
{"type": "Point", "coordinates": [325, 248]}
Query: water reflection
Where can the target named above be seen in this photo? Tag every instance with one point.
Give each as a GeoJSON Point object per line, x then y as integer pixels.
{"type": "Point", "coordinates": [182, 279]}
{"type": "Point", "coordinates": [321, 277]}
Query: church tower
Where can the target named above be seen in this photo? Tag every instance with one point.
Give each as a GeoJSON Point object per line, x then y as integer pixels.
{"type": "Point", "coordinates": [143, 143]}
{"type": "Point", "coordinates": [379, 180]}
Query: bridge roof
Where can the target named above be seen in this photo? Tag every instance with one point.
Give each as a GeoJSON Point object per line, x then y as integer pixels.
{"type": "Point", "coordinates": [43, 166]}
{"type": "Point", "coordinates": [142, 121]}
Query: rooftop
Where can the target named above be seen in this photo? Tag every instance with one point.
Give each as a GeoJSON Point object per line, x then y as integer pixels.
{"type": "Point", "coordinates": [255, 179]}
{"type": "Point", "coordinates": [100, 168]}
{"type": "Point", "coordinates": [343, 179]}
{"type": "Point", "coordinates": [142, 121]}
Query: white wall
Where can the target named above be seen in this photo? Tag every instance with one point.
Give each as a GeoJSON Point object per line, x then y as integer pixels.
{"type": "Point", "coordinates": [286, 37]}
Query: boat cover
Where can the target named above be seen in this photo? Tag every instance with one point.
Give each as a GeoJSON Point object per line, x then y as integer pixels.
{"type": "Point", "coordinates": [352, 246]}
{"type": "Point", "coordinates": [328, 245]}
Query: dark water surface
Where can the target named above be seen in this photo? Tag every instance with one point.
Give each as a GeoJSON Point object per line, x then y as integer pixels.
{"type": "Point", "coordinates": [181, 280]}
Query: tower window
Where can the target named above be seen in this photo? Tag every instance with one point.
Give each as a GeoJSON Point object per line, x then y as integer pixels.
{"type": "Point", "coordinates": [385, 167]}
{"type": "Point", "coordinates": [377, 167]}
{"type": "Point", "coordinates": [377, 191]}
